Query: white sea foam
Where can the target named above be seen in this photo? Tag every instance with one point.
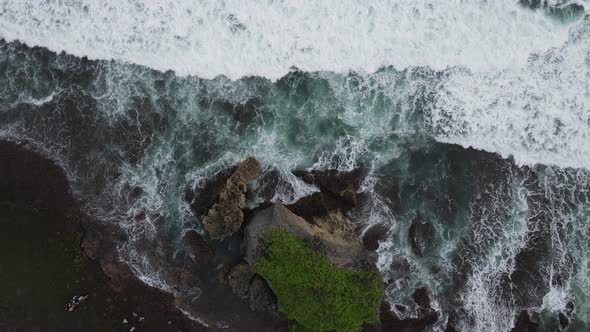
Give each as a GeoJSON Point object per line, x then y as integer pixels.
{"type": "Point", "coordinates": [266, 38]}
{"type": "Point", "coordinates": [538, 114]}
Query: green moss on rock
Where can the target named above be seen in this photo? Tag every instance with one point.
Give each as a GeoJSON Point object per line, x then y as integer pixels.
{"type": "Point", "coordinates": [314, 293]}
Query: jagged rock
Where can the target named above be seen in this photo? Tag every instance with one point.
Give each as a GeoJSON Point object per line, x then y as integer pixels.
{"type": "Point", "coordinates": [566, 315]}
{"type": "Point", "coordinates": [261, 296]}
{"type": "Point", "coordinates": [204, 194]}
{"type": "Point", "coordinates": [198, 246]}
{"type": "Point", "coordinates": [524, 323]}
{"type": "Point", "coordinates": [333, 235]}
{"type": "Point", "coordinates": [239, 279]}
{"type": "Point", "coordinates": [225, 217]}
{"type": "Point", "coordinates": [418, 321]}
{"type": "Point", "coordinates": [374, 235]}
{"type": "Point", "coordinates": [421, 235]}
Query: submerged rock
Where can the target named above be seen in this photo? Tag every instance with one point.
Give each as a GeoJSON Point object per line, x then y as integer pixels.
{"type": "Point", "coordinates": [337, 194]}
{"type": "Point", "coordinates": [421, 233]}
{"type": "Point", "coordinates": [225, 217]}
{"type": "Point", "coordinates": [374, 235]}
{"type": "Point", "coordinates": [334, 236]}
{"type": "Point", "coordinates": [201, 197]}
{"type": "Point", "coordinates": [198, 246]}
{"type": "Point", "coordinates": [419, 320]}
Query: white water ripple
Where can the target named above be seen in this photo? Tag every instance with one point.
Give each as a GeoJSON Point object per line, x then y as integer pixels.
{"type": "Point", "coordinates": [266, 38]}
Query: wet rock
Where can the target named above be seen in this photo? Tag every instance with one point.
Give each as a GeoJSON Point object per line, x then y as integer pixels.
{"type": "Point", "coordinates": [225, 217]}
{"type": "Point", "coordinates": [333, 235]}
{"type": "Point", "coordinates": [341, 186]}
{"type": "Point", "coordinates": [374, 235]}
{"type": "Point", "coordinates": [204, 194]}
{"type": "Point", "coordinates": [421, 234]}
{"type": "Point", "coordinates": [421, 297]}
{"type": "Point", "coordinates": [417, 321]}
{"type": "Point", "coordinates": [261, 297]}
{"type": "Point", "coordinates": [566, 315]}
{"type": "Point", "coordinates": [239, 279]}
{"type": "Point", "coordinates": [197, 245]}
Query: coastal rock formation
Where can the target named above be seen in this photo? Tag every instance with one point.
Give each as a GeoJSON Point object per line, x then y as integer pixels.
{"type": "Point", "coordinates": [413, 320]}
{"type": "Point", "coordinates": [225, 217]}
{"type": "Point", "coordinates": [239, 279]}
{"type": "Point", "coordinates": [333, 235]}
{"type": "Point", "coordinates": [337, 192]}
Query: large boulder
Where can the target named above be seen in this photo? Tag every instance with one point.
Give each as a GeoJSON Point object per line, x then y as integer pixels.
{"type": "Point", "coordinates": [339, 185]}
{"type": "Point", "coordinates": [225, 217]}
{"type": "Point", "coordinates": [333, 235]}
{"type": "Point", "coordinates": [239, 279]}
{"type": "Point", "coordinates": [338, 191]}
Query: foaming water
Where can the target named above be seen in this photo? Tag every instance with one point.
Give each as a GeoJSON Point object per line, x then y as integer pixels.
{"type": "Point", "coordinates": [241, 38]}
{"type": "Point", "coordinates": [538, 114]}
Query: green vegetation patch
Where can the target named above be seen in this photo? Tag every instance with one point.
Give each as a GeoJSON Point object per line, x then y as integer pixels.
{"type": "Point", "coordinates": [314, 293]}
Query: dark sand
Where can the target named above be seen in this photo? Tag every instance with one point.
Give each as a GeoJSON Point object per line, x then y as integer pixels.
{"type": "Point", "coordinates": [42, 265]}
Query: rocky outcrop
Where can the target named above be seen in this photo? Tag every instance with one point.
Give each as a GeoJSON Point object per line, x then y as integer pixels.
{"type": "Point", "coordinates": [261, 297]}
{"type": "Point", "coordinates": [338, 191]}
{"type": "Point", "coordinates": [421, 234]}
{"type": "Point", "coordinates": [408, 319]}
{"type": "Point", "coordinates": [225, 217]}
{"type": "Point", "coordinates": [339, 185]}
{"type": "Point", "coordinates": [333, 235]}
{"type": "Point", "coordinates": [239, 279]}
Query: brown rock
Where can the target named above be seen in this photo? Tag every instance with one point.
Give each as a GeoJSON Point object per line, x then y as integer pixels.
{"type": "Point", "coordinates": [204, 194]}
{"type": "Point", "coordinates": [226, 216]}
{"type": "Point", "coordinates": [375, 234]}
{"type": "Point", "coordinates": [239, 279]}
